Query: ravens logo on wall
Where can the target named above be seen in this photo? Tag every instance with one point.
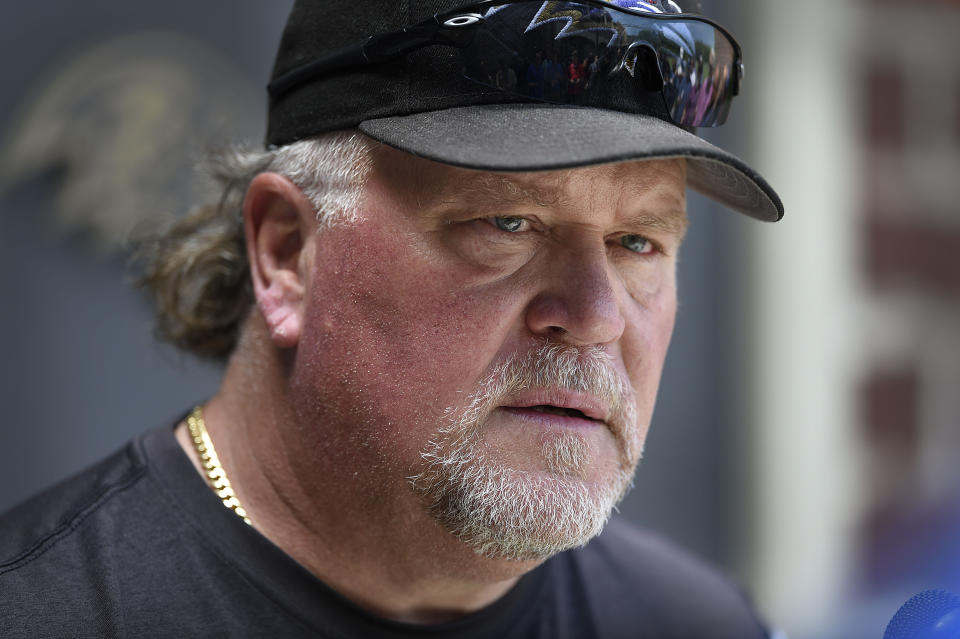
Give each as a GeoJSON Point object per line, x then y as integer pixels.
{"type": "Point", "coordinates": [118, 128]}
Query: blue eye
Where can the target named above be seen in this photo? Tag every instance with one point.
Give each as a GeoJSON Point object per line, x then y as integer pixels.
{"type": "Point", "coordinates": [636, 243]}
{"type": "Point", "coordinates": [508, 224]}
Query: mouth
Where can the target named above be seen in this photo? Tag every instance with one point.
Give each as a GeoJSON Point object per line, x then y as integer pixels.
{"type": "Point", "coordinates": [558, 407]}
{"type": "Point", "coordinates": [551, 417]}
{"type": "Point", "coordinates": [558, 410]}
{"type": "Point", "coordinates": [551, 410]}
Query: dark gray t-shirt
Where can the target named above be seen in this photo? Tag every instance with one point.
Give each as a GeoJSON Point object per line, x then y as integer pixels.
{"type": "Point", "coordinates": [139, 546]}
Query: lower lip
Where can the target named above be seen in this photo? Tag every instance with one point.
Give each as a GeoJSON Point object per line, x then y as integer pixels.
{"type": "Point", "coordinates": [552, 419]}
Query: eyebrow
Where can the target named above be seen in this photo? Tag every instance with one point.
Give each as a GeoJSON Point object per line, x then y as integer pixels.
{"type": "Point", "coordinates": [674, 223]}
{"type": "Point", "coordinates": [496, 188]}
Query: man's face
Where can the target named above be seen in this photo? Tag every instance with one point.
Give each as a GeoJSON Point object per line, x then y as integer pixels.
{"type": "Point", "coordinates": [489, 346]}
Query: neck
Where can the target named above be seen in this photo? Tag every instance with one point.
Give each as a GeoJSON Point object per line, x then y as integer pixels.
{"type": "Point", "coordinates": [370, 540]}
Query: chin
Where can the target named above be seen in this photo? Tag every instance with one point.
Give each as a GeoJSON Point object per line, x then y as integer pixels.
{"type": "Point", "coordinates": [518, 515]}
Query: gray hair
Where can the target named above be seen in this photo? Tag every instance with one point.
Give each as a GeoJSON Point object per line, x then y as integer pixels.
{"type": "Point", "coordinates": [196, 269]}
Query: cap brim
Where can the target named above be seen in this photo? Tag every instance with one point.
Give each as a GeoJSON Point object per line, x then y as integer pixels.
{"type": "Point", "coordinates": [544, 137]}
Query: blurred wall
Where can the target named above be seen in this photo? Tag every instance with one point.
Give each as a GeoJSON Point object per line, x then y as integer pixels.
{"type": "Point", "coordinates": [854, 331]}
{"type": "Point", "coordinates": [909, 224]}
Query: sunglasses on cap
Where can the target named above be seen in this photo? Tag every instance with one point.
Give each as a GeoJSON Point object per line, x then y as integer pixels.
{"type": "Point", "coordinates": [580, 53]}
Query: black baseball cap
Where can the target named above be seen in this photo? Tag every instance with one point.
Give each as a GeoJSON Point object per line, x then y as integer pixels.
{"type": "Point", "coordinates": [421, 103]}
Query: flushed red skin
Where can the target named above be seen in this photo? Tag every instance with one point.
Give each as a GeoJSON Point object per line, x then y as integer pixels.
{"type": "Point", "coordinates": [410, 306]}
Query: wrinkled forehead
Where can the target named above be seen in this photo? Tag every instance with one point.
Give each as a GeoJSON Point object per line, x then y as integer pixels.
{"type": "Point", "coordinates": [425, 183]}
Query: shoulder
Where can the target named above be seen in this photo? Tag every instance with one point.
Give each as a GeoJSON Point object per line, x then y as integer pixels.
{"type": "Point", "coordinates": [42, 522]}
{"type": "Point", "coordinates": [55, 550]}
{"type": "Point", "coordinates": [649, 581]}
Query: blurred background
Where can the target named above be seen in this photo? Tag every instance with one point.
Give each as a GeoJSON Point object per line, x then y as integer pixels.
{"type": "Point", "coordinates": [807, 435]}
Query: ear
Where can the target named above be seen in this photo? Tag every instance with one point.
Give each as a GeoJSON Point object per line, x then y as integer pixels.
{"type": "Point", "coordinates": [278, 223]}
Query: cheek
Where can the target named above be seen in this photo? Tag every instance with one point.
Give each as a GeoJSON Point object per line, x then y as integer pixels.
{"type": "Point", "coordinates": [644, 347]}
{"type": "Point", "coordinates": [389, 338]}
{"type": "Point", "coordinates": [644, 280]}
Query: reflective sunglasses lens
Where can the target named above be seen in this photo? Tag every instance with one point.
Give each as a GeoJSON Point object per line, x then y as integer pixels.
{"type": "Point", "coordinates": [574, 53]}
{"type": "Point", "coordinates": [699, 70]}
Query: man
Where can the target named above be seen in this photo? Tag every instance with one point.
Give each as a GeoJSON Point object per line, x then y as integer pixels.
{"type": "Point", "coordinates": [444, 310]}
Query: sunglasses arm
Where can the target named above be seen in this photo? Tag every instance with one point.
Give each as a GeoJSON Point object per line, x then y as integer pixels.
{"type": "Point", "coordinates": [351, 56]}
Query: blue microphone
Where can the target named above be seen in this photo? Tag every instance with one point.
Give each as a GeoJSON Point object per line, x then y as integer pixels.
{"type": "Point", "coordinates": [931, 614]}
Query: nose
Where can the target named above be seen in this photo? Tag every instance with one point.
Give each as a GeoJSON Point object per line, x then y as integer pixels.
{"type": "Point", "coordinates": [577, 301]}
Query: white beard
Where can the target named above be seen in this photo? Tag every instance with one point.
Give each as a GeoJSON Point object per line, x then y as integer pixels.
{"type": "Point", "coordinates": [507, 513]}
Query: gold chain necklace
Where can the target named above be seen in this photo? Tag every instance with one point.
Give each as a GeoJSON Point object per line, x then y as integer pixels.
{"type": "Point", "coordinates": [216, 475]}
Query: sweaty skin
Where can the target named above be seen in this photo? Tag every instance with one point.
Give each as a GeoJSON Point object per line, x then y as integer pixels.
{"type": "Point", "coordinates": [368, 335]}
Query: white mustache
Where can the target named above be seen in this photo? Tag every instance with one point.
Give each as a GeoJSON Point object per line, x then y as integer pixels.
{"type": "Point", "coordinates": [582, 369]}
